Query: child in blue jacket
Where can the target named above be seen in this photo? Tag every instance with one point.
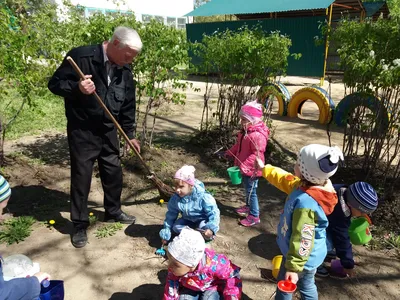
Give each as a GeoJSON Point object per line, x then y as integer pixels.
{"type": "Point", "coordinates": [197, 207]}
{"type": "Point", "coordinates": [302, 226]}
{"type": "Point", "coordinates": [356, 200]}
{"type": "Point", "coordinates": [19, 288]}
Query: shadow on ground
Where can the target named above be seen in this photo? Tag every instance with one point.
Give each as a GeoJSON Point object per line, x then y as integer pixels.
{"type": "Point", "coordinates": [43, 204]}
{"type": "Point", "coordinates": [264, 245]}
{"type": "Point", "coordinates": [150, 232]}
{"type": "Point", "coordinates": [51, 150]}
{"type": "Point", "coordinates": [145, 291]}
{"type": "Point", "coordinates": [150, 291]}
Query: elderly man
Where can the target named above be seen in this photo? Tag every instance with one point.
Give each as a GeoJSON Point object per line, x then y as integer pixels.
{"type": "Point", "coordinates": [91, 134]}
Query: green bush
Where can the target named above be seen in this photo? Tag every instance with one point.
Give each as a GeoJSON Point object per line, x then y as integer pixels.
{"type": "Point", "coordinates": [370, 56]}
{"type": "Point", "coordinates": [16, 230]}
{"type": "Point", "coordinates": [242, 60]}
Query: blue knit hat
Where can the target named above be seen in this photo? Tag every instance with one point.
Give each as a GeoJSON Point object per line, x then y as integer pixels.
{"type": "Point", "coordinates": [363, 197]}
{"type": "Point", "coordinates": [5, 191]}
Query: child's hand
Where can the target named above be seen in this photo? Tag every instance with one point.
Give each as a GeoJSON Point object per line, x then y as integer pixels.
{"type": "Point", "coordinates": [259, 164]}
{"type": "Point", "coordinates": [42, 276]}
{"type": "Point", "coordinates": [221, 154]}
{"type": "Point", "coordinates": [292, 276]}
{"type": "Point", "coordinates": [208, 233]}
{"type": "Point", "coordinates": [164, 242]}
{"type": "Point", "coordinates": [349, 272]}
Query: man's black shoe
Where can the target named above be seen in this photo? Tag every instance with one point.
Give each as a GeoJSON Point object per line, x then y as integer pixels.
{"type": "Point", "coordinates": [79, 238]}
{"type": "Point", "coordinates": [122, 218]}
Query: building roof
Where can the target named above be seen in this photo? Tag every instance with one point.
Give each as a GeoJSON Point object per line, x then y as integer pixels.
{"type": "Point", "coordinates": [234, 7]}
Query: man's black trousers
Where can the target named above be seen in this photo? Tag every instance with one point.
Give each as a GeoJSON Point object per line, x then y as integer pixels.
{"type": "Point", "coordinates": [85, 147]}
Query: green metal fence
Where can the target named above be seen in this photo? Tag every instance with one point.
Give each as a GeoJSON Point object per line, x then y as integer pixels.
{"type": "Point", "coordinates": [300, 30]}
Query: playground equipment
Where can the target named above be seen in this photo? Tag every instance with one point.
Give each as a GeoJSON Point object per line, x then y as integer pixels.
{"type": "Point", "coordinates": [316, 94]}
{"type": "Point", "coordinates": [328, 111]}
{"type": "Point", "coordinates": [349, 103]}
{"type": "Point", "coordinates": [280, 92]}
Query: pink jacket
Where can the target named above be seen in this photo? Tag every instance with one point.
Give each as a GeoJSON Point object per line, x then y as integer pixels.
{"type": "Point", "coordinates": [214, 272]}
{"type": "Point", "coordinates": [248, 147]}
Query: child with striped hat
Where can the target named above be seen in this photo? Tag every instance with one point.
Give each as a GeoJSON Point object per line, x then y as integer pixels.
{"type": "Point", "coordinates": [5, 193]}
{"type": "Point", "coordinates": [355, 200]}
{"type": "Point", "coordinates": [18, 288]}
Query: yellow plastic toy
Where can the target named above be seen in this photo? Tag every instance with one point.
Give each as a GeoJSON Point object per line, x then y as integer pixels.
{"type": "Point", "coordinates": [276, 265]}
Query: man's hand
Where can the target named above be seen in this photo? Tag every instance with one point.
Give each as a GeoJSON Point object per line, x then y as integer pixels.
{"type": "Point", "coordinates": [135, 143]}
{"type": "Point", "coordinates": [164, 242]}
{"type": "Point", "coordinates": [87, 86]}
{"type": "Point", "coordinates": [292, 276]}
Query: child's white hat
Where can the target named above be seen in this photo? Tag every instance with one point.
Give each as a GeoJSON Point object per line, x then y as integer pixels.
{"type": "Point", "coordinates": [188, 247]}
{"type": "Point", "coordinates": [318, 162]}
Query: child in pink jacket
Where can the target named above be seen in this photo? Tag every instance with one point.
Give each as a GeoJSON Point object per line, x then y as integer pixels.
{"type": "Point", "coordinates": [197, 272]}
{"type": "Point", "coordinates": [251, 144]}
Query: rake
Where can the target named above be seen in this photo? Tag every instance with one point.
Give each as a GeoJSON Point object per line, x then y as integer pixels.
{"type": "Point", "coordinates": [164, 190]}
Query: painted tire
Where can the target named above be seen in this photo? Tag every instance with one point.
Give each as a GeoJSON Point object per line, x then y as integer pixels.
{"type": "Point", "coordinates": [319, 96]}
{"type": "Point", "coordinates": [281, 93]}
{"type": "Point", "coordinates": [352, 101]}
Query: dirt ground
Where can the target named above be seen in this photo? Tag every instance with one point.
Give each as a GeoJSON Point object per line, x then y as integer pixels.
{"type": "Point", "coordinates": [124, 266]}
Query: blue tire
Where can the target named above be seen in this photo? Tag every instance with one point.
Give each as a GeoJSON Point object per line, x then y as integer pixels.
{"type": "Point", "coordinates": [349, 103]}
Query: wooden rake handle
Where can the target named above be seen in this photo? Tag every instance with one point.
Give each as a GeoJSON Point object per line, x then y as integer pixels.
{"type": "Point", "coordinates": [82, 76]}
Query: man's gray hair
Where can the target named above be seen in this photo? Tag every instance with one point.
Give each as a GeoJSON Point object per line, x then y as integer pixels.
{"type": "Point", "coordinates": [127, 37]}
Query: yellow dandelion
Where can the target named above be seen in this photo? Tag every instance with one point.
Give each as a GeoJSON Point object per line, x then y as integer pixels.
{"type": "Point", "coordinates": [161, 201]}
{"type": "Point", "coordinates": [52, 222]}
{"type": "Point", "coordinates": [90, 214]}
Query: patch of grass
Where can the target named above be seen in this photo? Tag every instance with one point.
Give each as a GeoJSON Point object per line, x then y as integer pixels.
{"type": "Point", "coordinates": [16, 230]}
{"type": "Point", "coordinates": [383, 240]}
{"type": "Point", "coordinates": [393, 240]}
{"type": "Point", "coordinates": [108, 230]}
{"type": "Point", "coordinates": [29, 160]}
{"type": "Point", "coordinates": [167, 142]}
{"type": "Point", "coordinates": [45, 114]}
{"type": "Point", "coordinates": [212, 191]}
{"type": "Point", "coordinates": [212, 174]}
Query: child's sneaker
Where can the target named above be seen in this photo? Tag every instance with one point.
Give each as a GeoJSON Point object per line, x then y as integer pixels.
{"type": "Point", "coordinates": [243, 211]}
{"type": "Point", "coordinates": [337, 275]}
{"type": "Point", "coordinates": [331, 255]}
{"type": "Point", "coordinates": [322, 271]}
{"type": "Point", "coordinates": [250, 221]}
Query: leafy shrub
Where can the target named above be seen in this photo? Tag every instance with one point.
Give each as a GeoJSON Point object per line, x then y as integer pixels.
{"type": "Point", "coordinates": [242, 61]}
{"type": "Point", "coordinates": [16, 230]}
{"type": "Point", "coordinates": [370, 56]}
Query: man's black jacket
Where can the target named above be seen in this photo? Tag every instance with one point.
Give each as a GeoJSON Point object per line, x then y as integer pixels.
{"type": "Point", "coordinates": [83, 111]}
